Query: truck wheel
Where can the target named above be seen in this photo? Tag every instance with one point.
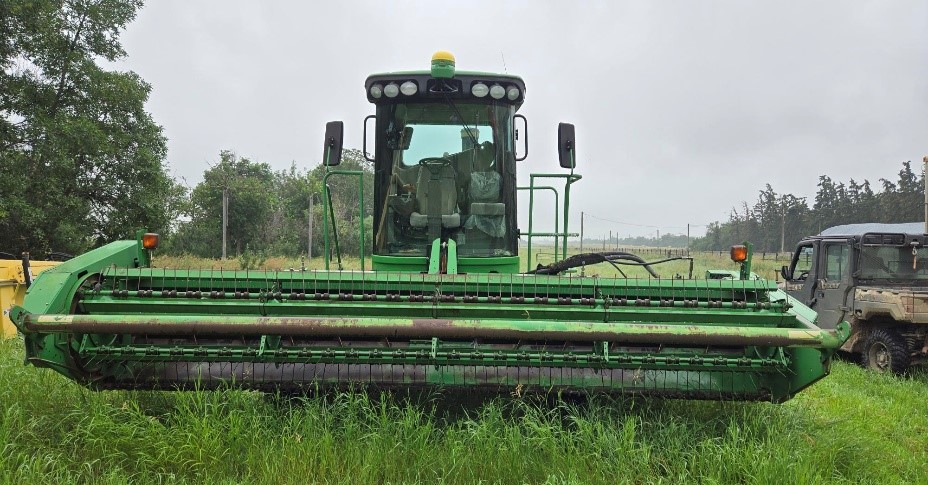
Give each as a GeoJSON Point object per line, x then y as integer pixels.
{"type": "Point", "coordinates": [885, 351]}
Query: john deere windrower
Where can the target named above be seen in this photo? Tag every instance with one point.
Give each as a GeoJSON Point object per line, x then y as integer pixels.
{"type": "Point", "coordinates": [443, 302]}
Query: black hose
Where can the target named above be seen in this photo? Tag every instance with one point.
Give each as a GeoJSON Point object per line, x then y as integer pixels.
{"type": "Point", "coordinates": [642, 263]}
{"type": "Point", "coordinates": [587, 259]}
{"type": "Point", "coordinates": [617, 268]}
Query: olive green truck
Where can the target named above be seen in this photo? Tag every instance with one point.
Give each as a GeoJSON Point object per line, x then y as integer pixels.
{"type": "Point", "coordinates": [874, 276]}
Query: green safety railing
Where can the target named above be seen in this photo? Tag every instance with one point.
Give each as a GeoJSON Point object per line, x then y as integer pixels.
{"type": "Point", "coordinates": [329, 211]}
{"type": "Point", "coordinates": [569, 179]}
{"type": "Point", "coordinates": [557, 217]}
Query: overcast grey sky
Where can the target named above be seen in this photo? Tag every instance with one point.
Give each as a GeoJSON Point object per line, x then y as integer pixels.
{"type": "Point", "coordinates": [682, 109]}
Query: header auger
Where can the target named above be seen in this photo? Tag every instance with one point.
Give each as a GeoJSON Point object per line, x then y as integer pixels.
{"type": "Point", "coordinates": [444, 303]}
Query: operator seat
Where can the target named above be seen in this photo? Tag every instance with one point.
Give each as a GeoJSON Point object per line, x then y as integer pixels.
{"type": "Point", "coordinates": [437, 197]}
{"type": "Point", "coordinates": [487, 212]}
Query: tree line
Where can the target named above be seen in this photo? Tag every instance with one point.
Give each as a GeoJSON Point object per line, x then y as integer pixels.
{"type": "Point", "coordinates": [269, 212]}
{"type": "Point", "coordinates": [777, 221]}
{"type": "Point", "coordinates": [82, 163]}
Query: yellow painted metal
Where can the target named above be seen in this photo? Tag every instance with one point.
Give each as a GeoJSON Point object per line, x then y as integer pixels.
{"type": "Point", "coordinates": [443, 56]}
{"type": "Point", "coordinates": [13, 288]}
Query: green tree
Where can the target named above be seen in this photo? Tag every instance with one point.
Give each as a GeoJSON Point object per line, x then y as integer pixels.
{"type": "Point", "coordinates": [250, 188]}
{"type": "Point", "coordinates": [80, 159]}
{"type": "Point", "coordinates": [288, 228]}
{"type": "Point", "coordinates": [835, 203]}
{"type": "Point", "coordinates": [269, 211]}
{"type": "Point", "coordinates": [903, 201]}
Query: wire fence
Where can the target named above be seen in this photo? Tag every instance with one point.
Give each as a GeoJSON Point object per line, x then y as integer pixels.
{"type": "Point", "coordinates": [676, 252]}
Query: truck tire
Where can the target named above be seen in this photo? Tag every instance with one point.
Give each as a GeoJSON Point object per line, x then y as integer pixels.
{"type": "Point", "coordinates": [885, 351]}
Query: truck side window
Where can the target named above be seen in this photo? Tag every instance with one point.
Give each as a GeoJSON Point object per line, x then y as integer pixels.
{"type": "Point", "coordinates": [836, 258]}
{"type": "Point", "coordinates": [802, 265]}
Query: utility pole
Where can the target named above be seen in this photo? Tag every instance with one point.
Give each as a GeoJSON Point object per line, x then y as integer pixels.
{"type": "Point", "coordinates": [581, 233]}
{"type": "Point", "coordinates": [309, 247]}
{"type": "Point", "coordinates": [225, 219]}
{"type": "Point", "coordinates": [687, 238]}
{"type": "Point", "coordinates": [925, 177]}
{"type": "Point", "coordinates": [783, 226]}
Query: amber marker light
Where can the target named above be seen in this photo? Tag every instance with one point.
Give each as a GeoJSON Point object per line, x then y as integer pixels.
{"type": "Point", "coordinates": [739, 253]}
{"type": "Point", "coordinates": [150, 240]}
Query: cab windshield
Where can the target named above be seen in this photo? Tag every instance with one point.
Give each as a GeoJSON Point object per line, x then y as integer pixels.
{"type": "Point", "coordinates": [445, 171]}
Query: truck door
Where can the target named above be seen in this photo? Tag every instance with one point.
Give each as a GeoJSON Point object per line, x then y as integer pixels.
{"type": "Point", "coordinates": [834, 283]}
{"type": "Point", "coordinates": [801, 278]}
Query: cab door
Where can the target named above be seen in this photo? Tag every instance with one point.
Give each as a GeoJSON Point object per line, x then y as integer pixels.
{"type": "Point", "coordinates": [834, 283]}
{"type": "Point", "coordinates": [801, 279]}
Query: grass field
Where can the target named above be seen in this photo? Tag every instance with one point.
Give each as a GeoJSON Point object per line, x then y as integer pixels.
{"type": "Point", "coordinates": [853, 426]}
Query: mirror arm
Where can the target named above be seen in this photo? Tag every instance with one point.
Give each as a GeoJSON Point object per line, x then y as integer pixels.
{"type": "Point", "coordinates": [525, 138]}
{"type": "Point", "coordinates": [364, 145]}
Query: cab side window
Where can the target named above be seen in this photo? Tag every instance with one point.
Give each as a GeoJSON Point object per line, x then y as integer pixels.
{"type": "Point", "coordinates": [836, 259]}
{"type": "Point", "coordinates": [803, 261]}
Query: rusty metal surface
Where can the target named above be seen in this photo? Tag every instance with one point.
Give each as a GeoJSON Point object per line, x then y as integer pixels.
{"type": "Point", "coordinates": [643, 333]}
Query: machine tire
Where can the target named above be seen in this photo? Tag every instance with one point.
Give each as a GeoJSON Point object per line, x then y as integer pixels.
{"type": "Point", "coordinates": [885, 351]}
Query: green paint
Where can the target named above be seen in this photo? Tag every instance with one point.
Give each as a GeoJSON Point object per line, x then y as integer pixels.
{"type": "Point", "coordinates": [452, 267]}
{"type": "Point", "coordinates": [442, 69]}
{"type": "Point", "coordinates": [412, 264]}
{"type": "Point", "coordinates": [494, 264]}
{"type": "Point", "coordinates": [745, 272]}
{"type": "Point", "coordinates": [488, 76]}
{"type": "Point", "coordinates": [435, 257]}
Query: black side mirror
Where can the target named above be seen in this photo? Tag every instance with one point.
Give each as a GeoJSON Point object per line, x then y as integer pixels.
{"type": "Point", "coordinates": [332, 150]}
{"type": "Point", "coordinates": [784, 272]}
{"type": "Point", "coordinates": [566, 145]}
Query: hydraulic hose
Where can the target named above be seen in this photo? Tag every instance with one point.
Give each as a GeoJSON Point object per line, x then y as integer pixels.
{"type": "Point", "coordinates": [586, 259]}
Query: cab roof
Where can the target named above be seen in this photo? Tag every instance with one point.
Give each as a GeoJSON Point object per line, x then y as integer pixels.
{"type": "Point", "coordinates": [458, 87]}
{"type": "Point", "coordinates": [850, 230]}
{"type": "Point", "coordinates": [483, 74]}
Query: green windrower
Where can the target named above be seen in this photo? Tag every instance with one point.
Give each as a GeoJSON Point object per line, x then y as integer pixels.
{"type": "Point", "coordinates": [442, 302]}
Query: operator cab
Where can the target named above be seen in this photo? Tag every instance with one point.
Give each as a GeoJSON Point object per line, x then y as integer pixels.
{"type": "Point", "coordinates": [444, 162]}
{"type": "Point", "coordinates": [444, 156]}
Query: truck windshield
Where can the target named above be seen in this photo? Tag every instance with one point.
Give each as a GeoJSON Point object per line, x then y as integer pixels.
{"type": "Point", "coordinates": [893, 263]}
{"type": "Point", "coordinates": [445, 171]}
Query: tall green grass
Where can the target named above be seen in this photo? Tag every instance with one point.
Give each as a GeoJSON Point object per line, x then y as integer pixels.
{"type": "Point", "coordinates": [851, 427]}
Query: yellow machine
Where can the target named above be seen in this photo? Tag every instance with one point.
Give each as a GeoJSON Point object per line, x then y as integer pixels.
{"type": "Point", "coordinates": [13, 288]}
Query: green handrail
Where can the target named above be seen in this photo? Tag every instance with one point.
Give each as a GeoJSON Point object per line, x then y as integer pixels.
{"type": "Point", "coordinates": [569, 179]}
{"type": "Point", "coordinates": [330, 212]}
{"type": "Point", "coordinates": [531, 211]}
